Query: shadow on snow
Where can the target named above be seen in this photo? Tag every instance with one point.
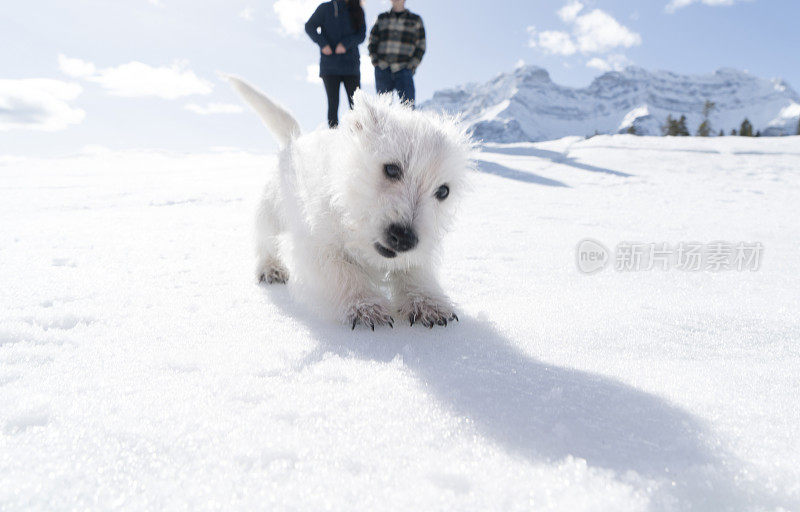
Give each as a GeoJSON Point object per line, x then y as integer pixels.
{"type": "Point", "coordinates": [543, 412]}
{"type": "Point", "coordinates": [554, 156]}
{"type": "Point", "coordinates": [514, 174]}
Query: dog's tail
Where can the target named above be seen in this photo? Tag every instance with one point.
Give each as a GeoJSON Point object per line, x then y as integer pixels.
{"type": "Point", "coordinates": [278, 120]}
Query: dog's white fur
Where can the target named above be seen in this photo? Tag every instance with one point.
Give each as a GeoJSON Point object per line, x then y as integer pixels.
{"type": "Point", "coordinates": [329, 201]}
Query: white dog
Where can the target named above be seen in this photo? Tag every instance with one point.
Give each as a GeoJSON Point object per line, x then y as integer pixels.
{"type": "Point", "coordinates": [354, 214]}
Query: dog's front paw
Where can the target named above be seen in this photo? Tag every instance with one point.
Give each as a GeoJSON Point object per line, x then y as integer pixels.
{"type": "Point", "coordinates": [273, 274]}
{"type": "Point", "coordinates": [427, 312]}
{"type": "Point", "coordinates": [369, 315]}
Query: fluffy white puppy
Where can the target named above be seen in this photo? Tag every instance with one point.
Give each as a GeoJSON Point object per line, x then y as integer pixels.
{"type": "Point", "coordinates": [353, 217]}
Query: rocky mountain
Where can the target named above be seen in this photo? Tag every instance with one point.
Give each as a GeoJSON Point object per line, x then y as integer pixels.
{"type": "Point", "coordinates": [526, 105]}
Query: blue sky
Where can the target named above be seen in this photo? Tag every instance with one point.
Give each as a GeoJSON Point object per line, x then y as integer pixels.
{"type": "Point", "coordinates": [143, 73]}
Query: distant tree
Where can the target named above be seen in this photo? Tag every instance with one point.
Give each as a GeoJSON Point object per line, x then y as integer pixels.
{"type": "Point", "coordinates": [675, 127]}
{"type": "Point", "coordinates": [758, 133]}
{"type": "Point", "coordinates": [631, 130]}
{"type": "Point", "coordinates": [708, 108]}
{"type": "Point", "coordinates": [746, 129]}
{"type": "Point", "coordinates": [798, 127]}
{"type": "Point", "coordinates": [683, 131]}
{"type": "Point", "coordinates": [734, 132]}
{"type": "Point", "coordinates": [669, 127]}
{"type": "Point", "coordinates": [721, 133]}
{"type": "Point", "coordinates": [705, 127]}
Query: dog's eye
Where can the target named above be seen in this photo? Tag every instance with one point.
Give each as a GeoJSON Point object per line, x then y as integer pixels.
{"type": "Point", "coordinates": [442, 192]}
{"type": "Point", "coordinates": [392, 171]}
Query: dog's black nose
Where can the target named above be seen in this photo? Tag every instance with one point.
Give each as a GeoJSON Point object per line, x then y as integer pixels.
{"type": "Point", "coordinates": [401, 238]}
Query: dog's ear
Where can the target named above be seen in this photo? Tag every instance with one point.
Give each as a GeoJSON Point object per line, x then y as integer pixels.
{"type": "Point", "coordinates": [368, 114]}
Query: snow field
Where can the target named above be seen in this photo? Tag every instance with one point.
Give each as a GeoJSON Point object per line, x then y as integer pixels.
{"type": "Point", "coordinates": [142, 368]}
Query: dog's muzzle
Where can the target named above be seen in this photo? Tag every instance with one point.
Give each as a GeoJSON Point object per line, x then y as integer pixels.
{"type": "Point", "coordinates": [397, 238]}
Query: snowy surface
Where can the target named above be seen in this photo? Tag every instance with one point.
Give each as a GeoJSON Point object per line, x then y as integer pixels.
{"type": "Point", "coordinates": [142, 368]}
{"type": "Point", "coordinates": [526, 105]}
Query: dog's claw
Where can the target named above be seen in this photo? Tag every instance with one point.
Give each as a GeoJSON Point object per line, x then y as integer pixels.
{"type": "Point", "coordinates": [273, 275]}
{"type": "Point", "coordinates": [369, 315]}
{"type": "Point", "coordinates": [428, 312]}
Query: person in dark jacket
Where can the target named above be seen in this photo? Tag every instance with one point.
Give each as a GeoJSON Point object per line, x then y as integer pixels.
{"type": "Point", "coordinates": [396, 47]}
{"type": "Point", "coordinates": [338, 27]}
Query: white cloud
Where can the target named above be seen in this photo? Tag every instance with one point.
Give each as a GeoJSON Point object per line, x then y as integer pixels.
{"type": "Point", "coordinates": [557, 43]}
{"type": "Point", "coordinates": [599, 32]}
{"type": "Point", "coordinates": [95, 149]}
{"type": "Point", "coordinates": [570, 11]}
{"type": "Point", "coordinates": [367, 73]}
{"type": "Point", "coordinates": [594, 32]}
{"type": "Point", "coordinates": [598, 63]}
{"type": "Point", "coordinates": [293, 14]}
{"type": "Point", "coordinates": [38, 104]}
{"type": "Point", "coordinates": [136, 79]}
{"type": "Point", "coordinates": [157, 3]}
{"type": "Point", "coordinates": [674, 5]}
{"type": "Point", "coordinates": [532, 34]}
{"type": "Point", "coordinates": [75, 67]}
{"type": "Point", "coordinates": [247, 13]}
{"type": "Point", "coordinates": [214, 108]}
{"type": "Point", "coordinates": [615, 62]}
{"type": "Point", "coordinates": [312, 74]}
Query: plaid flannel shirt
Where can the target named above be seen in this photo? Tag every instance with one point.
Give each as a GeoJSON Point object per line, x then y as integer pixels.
{"type": "Point", "coordinates": [397, 41]}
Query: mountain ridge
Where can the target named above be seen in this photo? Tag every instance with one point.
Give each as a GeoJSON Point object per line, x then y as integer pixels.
{"type": "Point", "coordinates": [526, 105]}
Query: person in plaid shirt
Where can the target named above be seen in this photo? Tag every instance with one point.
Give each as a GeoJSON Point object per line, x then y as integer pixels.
{"type": "Point", "coordinates": [396, 47]}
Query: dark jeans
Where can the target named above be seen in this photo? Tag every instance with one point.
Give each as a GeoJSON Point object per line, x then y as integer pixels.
{"type": "Point", "coordinates": [332, 86]}
{"type": "Point", "coordinates": [402, 82]}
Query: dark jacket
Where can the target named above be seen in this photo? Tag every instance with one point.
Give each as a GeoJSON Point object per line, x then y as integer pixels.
{"type": "Point", "coordinates": [330, 25]}
{"type": "Point", "coordinates": [397, 41]}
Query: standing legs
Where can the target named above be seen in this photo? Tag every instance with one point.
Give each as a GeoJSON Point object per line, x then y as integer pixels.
{"type": "Point", "coordinates": [351, 83]}
{"type": "Point", "coordinates": [402, 82]}
{"type": "Point", "coordinates": [332, 85]}
{"type": "Point", "coordinates": [383, 80]}
{"type": "Point", "coordinates": [332, 90]}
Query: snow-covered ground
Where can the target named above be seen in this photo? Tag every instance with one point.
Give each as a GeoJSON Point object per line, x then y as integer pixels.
{"type": "Point", "coordinates": [141, 367]}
